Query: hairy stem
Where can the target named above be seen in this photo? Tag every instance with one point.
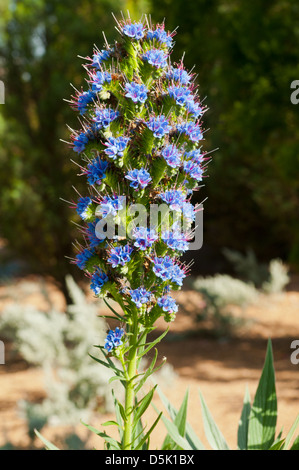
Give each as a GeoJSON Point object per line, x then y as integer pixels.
{"type": "Point", "coordinates": [130, 395]}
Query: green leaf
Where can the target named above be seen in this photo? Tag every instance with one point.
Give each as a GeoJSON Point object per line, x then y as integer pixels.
{"type": "Point", "coordinates": [147, 435]}
{"type": "Point", "coordinates": [114, 311]}
{"type": "Point", "coordinates": [295, 445]}
{"type": "Point", "coordinates": [158, 170]}
{"type": "Point", "coordinates": [212, 431]}
{"type": "Point", "coordinates": [108, 440]}
{"type": "Point", "coordinates": [263, 414]}
{"type": "Point", "coordinates": [143, 405]}
{"type": "Point", "coordinates": [138, 433]}
{"type": "Point", "coordinates": [190, 436]}
{"type": "Point", "coordinates": [277, 444]}
{"type": "Point", "coordinates": [180, 422]}
{"type": "Point", "coordinates": [110, 423]}
{"type": "Point", "coordinates": [243, 423]}
{"type": "Point", "coordinates": [148, 372]}
{"type": "Point", "coordinates": [48, 444]}
{"type": "Point", "coordinates": [153, 343]}
{"type": "Point", "coordinates": [118, 416]}
{"type": "Point", "coordinates": [291, 433]}
{"type": "Point", "coordinates": [109, 364]}
{"type": "Point", "coordinates": [173, 432]}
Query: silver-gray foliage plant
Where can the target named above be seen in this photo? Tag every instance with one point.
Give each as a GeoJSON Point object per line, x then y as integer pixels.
{"type": "Point", "coordinates": [59, 343]}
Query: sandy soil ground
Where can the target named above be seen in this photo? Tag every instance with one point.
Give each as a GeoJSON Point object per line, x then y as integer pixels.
{"type": "Point", "coordinates": [221, 368]}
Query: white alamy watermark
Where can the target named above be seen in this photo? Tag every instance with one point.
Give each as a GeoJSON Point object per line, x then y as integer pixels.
{"type": "Point", "coordinates": [2, 353]}
{"type": "Point", "coordinates": [179, 223]}
{"type": "Point", "coordinates": [295, 354]}
{"type": "Point", "coordinates": [2, 92]}
{"type": "Point", "coordinates": [295, 94]}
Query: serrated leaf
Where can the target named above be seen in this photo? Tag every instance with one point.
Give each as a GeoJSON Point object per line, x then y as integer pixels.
{"type": "Point", "coordinates": [263, 414]}
{"type": "Point", "coordinates": [213, 434]}
{"type": "Point", "coordinates": [243, 423]}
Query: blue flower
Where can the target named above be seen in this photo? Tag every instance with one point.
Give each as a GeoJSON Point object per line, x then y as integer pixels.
{"type": "Point", "coordinates": [105, 116]}
{"type": "Point", "coordinates": [134, 30]}
{"type": "Point", "coordinates": [85, 99]}
{"type": "Point", "coordinates": [177, 275]}
{"type": "Point", "coordinates": [116, 146]}
{"type": "Point", "coordinates": [140, 296]}
{"type": "Point", "coordinates": [137, 92]}
{"type": "Point", "coordinates": [163, 267]}
{"type": "Point", "coordinates": [98, 279]}
{"type": "Point", "coordinates": [80, 142]}
{"type": "Point", "coordinates": [96, 171]}
{"type": "Point", "coordinates": [83, 257]}
{"type": "Point", "coordinates": [91, 234]}
{"type": "Point", "coordinates": [188, 211]}
{"type": "Point", "coordinates": [174, 198]}
{"type": "Point", "coordinates": [158, 125]}
{"type": "Point", "coordinates": [195, 155]}
{"type": "Point", "coordinates": [156, 57]}
{"type": "Point", "coordinates": [114, 339]}
{"type": "Point", "coordinates": [98, 80]}
{"type": "Point", "coordinates": [180, 94]}
{"type": "Point", "coordinates": [194, 170]}
{"type": "Point", "coordinates": [172, 155]}
{"type": "Point", "coordinates": [175, 240]}
{"type": "Point", "coordinates": [160, 35]}
{"type": "Point", "coordinates": [166, 269]}
{"type": "Point", "coordinates": [109, 205]}
{"type": "Point", "coordinates": [145, 237]}
{"type": "Point", "coordinates": [120, 255]}
{"type": "Point", "coordinates": [194, 108]}
{"type": "Point", "coordinates": [100, 57]}
{"type": "Point", "coordinates": [179, 75]}
{"type": "Point", "coordinates": [83, 207]}
{"type": "Point", "coordinates": [192, 130]}
{"type": "Point", "coordinates": [139, 178]}
{"type": "Point", "coordinates": [168, 304]}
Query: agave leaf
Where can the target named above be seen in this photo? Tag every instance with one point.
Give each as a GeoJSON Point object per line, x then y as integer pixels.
{"type": "Point", "coordinates": [291, 433]}
{"type": "Point", "coordinates": [263, 414]}
{"type": "Point", "coordinates": [180, 420]}
{"type": "Point", "coordinates": [295, 445]}
{"type": "Point", "coordinates": [173, 432]}
{"type": "Point", "coordinates": [243, 423]}
{"type": "Point", "coordinates": [190, 434]}
{"type": "Point", "coordinates": [212, 431]}
{"type": "Point", "coordinates": [48, 444]}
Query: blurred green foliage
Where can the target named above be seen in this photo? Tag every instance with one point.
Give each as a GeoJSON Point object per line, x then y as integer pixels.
{"type": "Point", "coordinates": [39, 44]}
{"type": "Point", "coordinates": [246, 56]}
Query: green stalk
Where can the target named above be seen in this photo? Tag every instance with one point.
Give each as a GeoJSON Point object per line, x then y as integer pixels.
{"type": "Point", "coordinates": [130, 384]}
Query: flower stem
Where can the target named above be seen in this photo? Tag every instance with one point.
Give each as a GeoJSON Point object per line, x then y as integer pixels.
{"type": "Point", "coordinates": [130, 395]}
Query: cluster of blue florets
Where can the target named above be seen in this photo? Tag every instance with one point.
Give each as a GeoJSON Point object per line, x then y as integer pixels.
{"type": "Point", "coordinates": [140, 140]}
{"type": "Point", "coordinates": [114, 339]}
